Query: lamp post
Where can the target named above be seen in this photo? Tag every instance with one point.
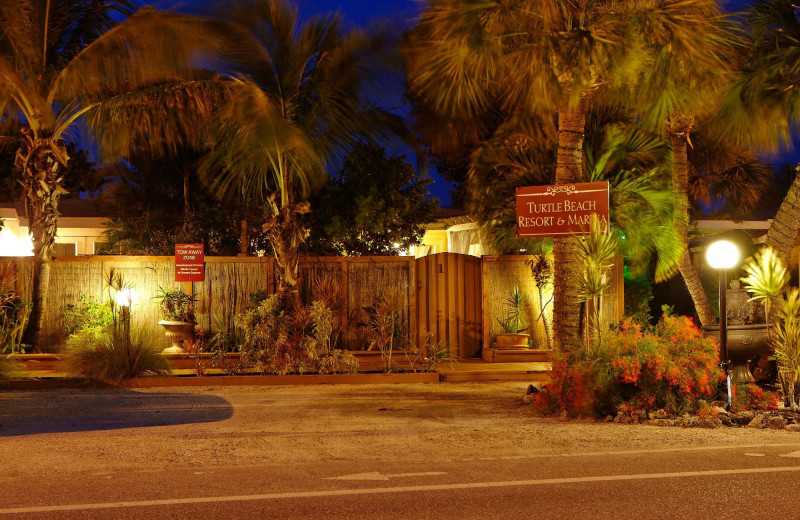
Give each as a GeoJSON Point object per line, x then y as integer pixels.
{"type": "Point", "coordinates": [722, 255]}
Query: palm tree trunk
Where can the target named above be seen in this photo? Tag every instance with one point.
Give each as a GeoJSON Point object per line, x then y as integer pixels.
{"type": "Point", "coordinates": [43, 186]}
{"type": "Point", "coordinates": [786, 225]}
{"type": "Point", "coordinates": [680, 193]}
{"type": "Point", "coordinates": [569, 162]}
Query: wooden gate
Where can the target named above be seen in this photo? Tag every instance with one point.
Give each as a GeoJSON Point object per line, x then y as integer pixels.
{"type": "Point", "coordinates": [449, 303]}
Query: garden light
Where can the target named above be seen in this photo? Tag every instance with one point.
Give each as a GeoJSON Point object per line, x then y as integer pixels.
{"type": "Point", "coordinates": [722, 255]}
{"type": "Point", "coordinates": [10, 245]}
{"type": "Point", "coordinates": [126, 297]}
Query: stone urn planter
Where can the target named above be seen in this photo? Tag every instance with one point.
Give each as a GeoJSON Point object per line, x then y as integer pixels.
{"type": "Point", "coordinates": [177, 332]}
{"type": "Point", "coordinates": [508, 340]}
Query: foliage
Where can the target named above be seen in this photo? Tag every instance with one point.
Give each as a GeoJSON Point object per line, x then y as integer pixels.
{"type": "Point", "coordinates": [14, 313]}
{"type": "Point", "coordinates": [513, 322]}
{"type": "Point", "coordinates": [299, 112]}
{"type": "Point", "coordinates": [427, 357]}
{"type": "Point", "coordinates": [272, 339]}
{"type": "Point", "coordinates": [766, 278]}
{"type": "Point", "coordinates": [542, 273]}
{"type": "Point", "coordinates": [87, 314]}
{"type": "Point", "coordinates": [387, 207]}
{"type": "Point", "coordinates": [175, 305]}
{"type": "Point", "coordinates": [595, 252]}
{"type": "Point", "coordinates": [753, 397]}
{"type": "Point", "coordinates": [670, 365]}
{"type": "Point", "coordinates": [110, 355]}
{"type": "Point", "coordinates": [384, 324]}
{"type": "Point", "coordinates": [787, 345]}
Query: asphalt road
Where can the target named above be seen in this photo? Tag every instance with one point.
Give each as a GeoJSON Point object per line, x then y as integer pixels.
{"type": "Point", "coordinates": [736, 479]}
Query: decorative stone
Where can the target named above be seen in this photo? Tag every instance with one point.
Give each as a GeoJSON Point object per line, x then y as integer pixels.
{"type": "Point", "coordinates": [622, 418]}
{"type": "Point", "coordinates": [609, 418]}
{"type": "Point", "coordinates": [661, 422]}
{"type": "Point", "coordinates": [687, 421]}
{"type": "Point", "coordinates": [707, 422]}
{"type": "Point", "coordinates": [660, 414]}
{"type": "Point", "coordinates": [639, 416]}
{"type": "Point", "coordinates": [743, 418]}
{"type": "Point", "coordinates": [760, 421]}
{"type": "Point", "coordinates": [777, 423]}
{"type": "Point", "coordinates": [726, 420]}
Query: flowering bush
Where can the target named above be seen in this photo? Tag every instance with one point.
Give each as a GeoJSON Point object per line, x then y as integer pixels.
{"type": "Point", "coordinates": [669, 366]}
{"type": "Point", "coordinates": [753, 397]}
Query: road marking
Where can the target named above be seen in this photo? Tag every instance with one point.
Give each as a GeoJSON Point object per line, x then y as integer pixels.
{"type": "Point", "coordinates": [792, 454]}
{"type": "Point", "coordinates": [374, 475]}
{"type": "Point", "coordinates": [755, 454]}
{"type": "Point", "coordinates": [399, 489]}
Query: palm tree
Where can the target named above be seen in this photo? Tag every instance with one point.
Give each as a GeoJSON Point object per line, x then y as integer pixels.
{"type": "Point", "coordinates": [61, 60]}
{"type": "Point", "coordinates": [296, 114]}
{"type": "Point", "coordinates": [538, 57]}
{"type": "Point", "coordinates": [689, 51]}
{"type": "Point", "coordinates": [764, 102]}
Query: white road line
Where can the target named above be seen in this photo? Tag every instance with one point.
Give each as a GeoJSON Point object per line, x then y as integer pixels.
{"type": "Point", "coordinates": [399, 489]}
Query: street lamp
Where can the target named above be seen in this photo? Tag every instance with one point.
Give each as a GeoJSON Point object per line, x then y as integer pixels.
{"type": "Point", "coordinates": [722, 255]}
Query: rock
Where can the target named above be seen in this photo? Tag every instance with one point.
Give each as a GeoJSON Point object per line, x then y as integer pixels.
{"type": "Point", "coordinates": [687, 421]}
{"type": "Point", "coordinates": [622, 418]}
{"type": "Point", "coordinates": [661, 422]}
{"type": "Point", "coordinates": [743, 418]}
{"type": "Point", "coordinates": [609, 418]}
{"type": "Point", "coordinates": [793, 427]}
{"type": "Point", "coordinates": [719, 404]}
{"type": "Point", "coordinates": [760, 421]}
{"type": "Point", "coordinates": [708, 422]}
{"type": "Point", "coordinates": [726, 420]}
{"type": "Point", "coordinates": [532, 390]}
{"type": "Point", "coordinates": [777, 423]}
{"type": "Point", "coordinates": [721, 410]}
{"type": "Point", "coordinates": [639, 416]}
{"type": "Point", "coordinates": [660, 414]}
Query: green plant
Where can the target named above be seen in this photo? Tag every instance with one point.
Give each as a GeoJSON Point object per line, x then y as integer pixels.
{"type": "Point", "coordinates": [109, 355]}
{"type": "Point", "coordinates": [766, 279]}
{"type": "Point", "coordinates": [542, 273]}
{"type": "Point", "coordinates": [427, 357]}
{"type": "Point", "coordinates": [14, 312]}
{"type": "Point", "coordinates": [272, 339]}
{"type": "Point", "coordinates": [595, 253]}
{"type": "Point", "coordinates": [88, 313]}
{"type": "Point", "coordinates": [384, 324]}
{"type": "Point", "coordinates": [175, 305]}
{"type": "Point", "coordinates": [787, 345]}
{"type": "Point", "coordinates": [513, 321]}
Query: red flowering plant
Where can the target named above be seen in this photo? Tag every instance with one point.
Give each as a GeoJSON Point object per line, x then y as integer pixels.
{"type": "Point", "coordinates": [670, 366]}
{"type": "Point", "coordinates": [753, 397]}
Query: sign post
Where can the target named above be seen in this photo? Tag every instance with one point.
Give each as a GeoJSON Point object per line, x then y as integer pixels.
{"type": "Point", "coordinates": [189, 263]}
{"type": "Point", "coordinates": [560, 210]}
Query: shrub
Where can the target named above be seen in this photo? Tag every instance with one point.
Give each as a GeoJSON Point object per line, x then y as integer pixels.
{"type": "Point", "coordinates": [271, 339]}
{"type": "Point", "coordinates": [88, 313]}
{"type": "Point", "coordinates": [671, 366]}
{"type": "Point", "coordinates": [753, 397]}
{"type": "Point", "coordinates": [110, 356]}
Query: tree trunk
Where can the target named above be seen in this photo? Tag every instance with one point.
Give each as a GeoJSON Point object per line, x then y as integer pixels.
{"type": "Point", "coordinates": [566, 308]}
{"type": "Point", "coordinates": [43, 186]}
{"type": "Point", "coordinates": [786, 225]}
{"type": "Point", "coordinates": [680, 191]}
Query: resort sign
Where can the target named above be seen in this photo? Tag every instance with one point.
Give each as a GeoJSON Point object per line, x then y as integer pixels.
{"type": "Point", "coordinates": [189, 263]}
{"type": "Point", "coordinates": [561, 210]}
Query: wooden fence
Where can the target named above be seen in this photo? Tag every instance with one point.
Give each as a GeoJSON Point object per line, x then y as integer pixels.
{"type": "Point", "coordinates": [445, 299]}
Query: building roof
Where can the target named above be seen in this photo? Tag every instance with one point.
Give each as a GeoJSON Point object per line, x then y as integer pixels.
{"type": "Point", "coordinates": [67, 208]}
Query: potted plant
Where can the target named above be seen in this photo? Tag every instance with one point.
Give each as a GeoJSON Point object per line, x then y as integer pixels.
{"type": "Point", "coordinates": [513, 335]}
{"type": "Point", "coordinates": [177, 317]}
